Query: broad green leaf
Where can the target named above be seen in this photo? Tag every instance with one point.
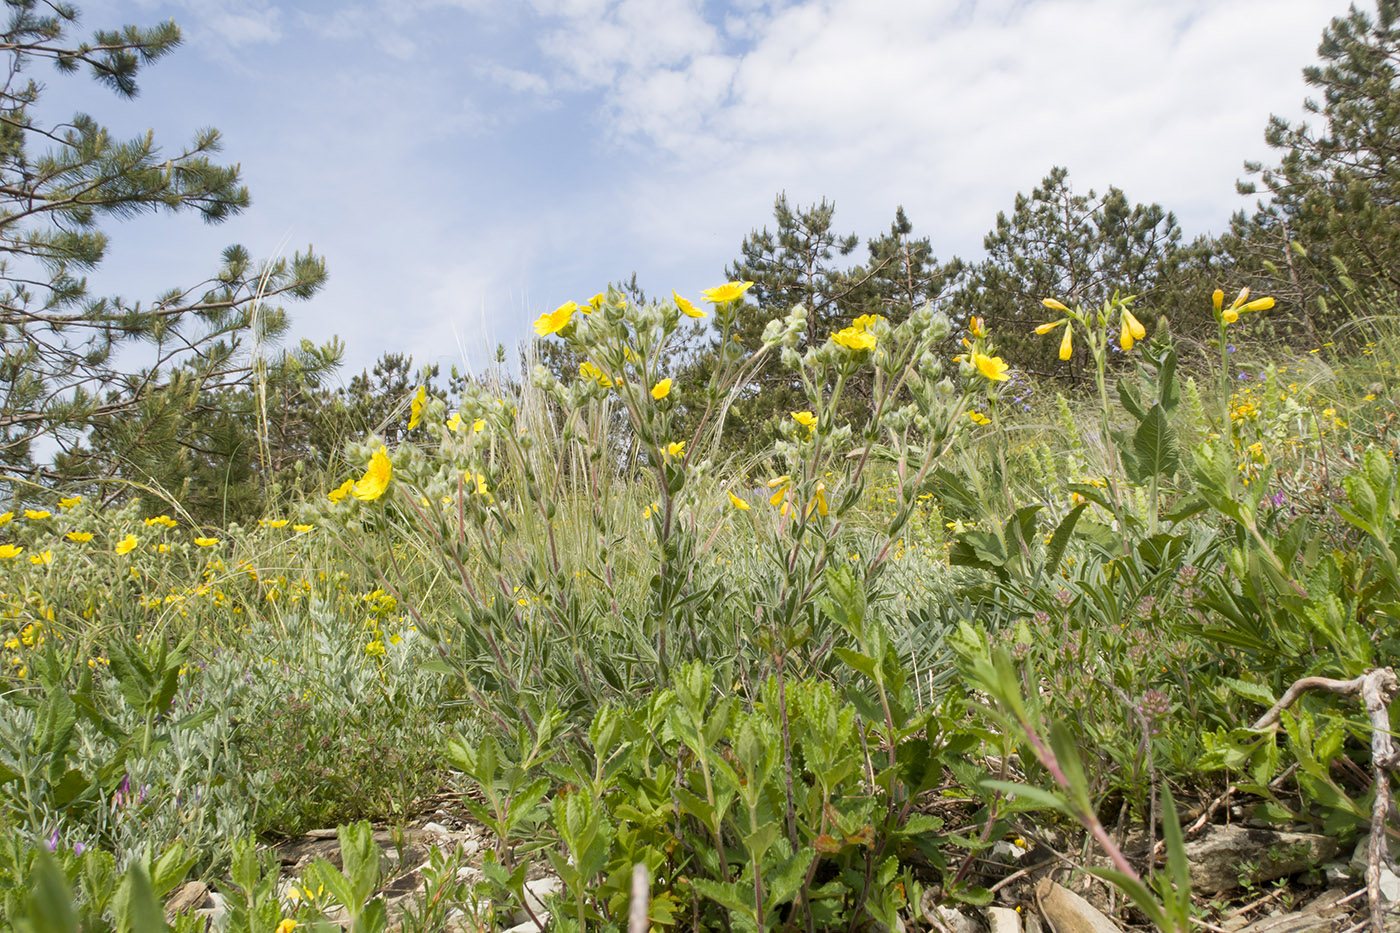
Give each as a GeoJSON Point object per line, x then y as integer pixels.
{"type": "Point", "coordinates": [1155, 444]}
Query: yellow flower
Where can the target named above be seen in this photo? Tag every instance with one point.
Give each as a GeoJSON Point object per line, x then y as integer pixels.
{"type": "Point", "coordinates": [272, 522]}
{"type": "Point", "coordinates": [729, 291]}
{"type": "Point", "coordinates": [979, 418]}
{"type": "Point", "coordinates": [866, 321]}
{"type": "Point", "coordinates": [1053, 305]}
{"type": "Point", "coordinates": [592, 373]}
{"type": "Point", "coordinates": [69, 502]}
{"type": "Point", "coordinates": [165, 521]}
{"type": "Point", "coordinates": [126, 545]}
{"type": "Point", "coordinates": [854, 338]}
{"type": "Point", "coordinates": [340, 492]}
{"type": "Point", "coordinates": [454, 422]}
{"type": "Point", "coordinates": [43, 557]}
{"type": "Point", "coordinates": [376, 479]}
{"type": "Point", "coordinates": [1240, 299]}
{"type": "Point", "coordinates": [7, 518]}
{"type": "Point", "coordinates": [1067, 344]}
{"type": "Point", "coordinates": [206, 542]}
{"type": "Point", "coordinates": [1044, 329]}
{"type": "Point", "coordinates": [36, 514]}
{"type": "Point", "coordinates": [481, 488]}
{"type": "Point", "coordinates": [991, 367]}
{"type": "Point", "coordinates": [594, 303]}
{"type": "Point", "coordinates": [804, 418]}
{"type": "Point", "coordinates": [1259, 304]}
{"type": "Point", "coordinates": [415, 414]}
{"type": "Point", "coordinates": [286, 926]}
{"type": "Point", "coordinates": [1218, 299]}
{"type": "Point", "coordinates": [1230, 315]}
{"type": "Point", "coordinates": [10, 551]}
{"type": "Point", "coordinates": [819, 502]}
{"type": "Point", "coordinates": [1132, 330]}
{"type": "Point", "coordinates": [82, 537]}
{"type": "Point", "coordinates": [302, 529]}
{"type": "Point", "coordinates": [556, 320]}
{"type": "Point", "coordinates": [740, 504]}
{"type": "Point", "coordinates": [661, 389]}
{"type": "Point", "coordinates": [650, 509]}
{"type": "Point", "coordinates": [688, 309]}
{"type": "Point", "coordinates": [675, 448]}
{"type": "Point", "coordinates": [978, 327]}
{"type": "Point", "coordinates": [781, 484]}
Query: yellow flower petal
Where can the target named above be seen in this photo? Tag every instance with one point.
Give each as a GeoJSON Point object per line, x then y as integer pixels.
{"type": "Point", "coordinates": [126, 545]}
{"type": "Point", "coordinates": [804, 418]}
{"type": "Point", "coordinates": [1053, 304]}
{"type": "Point", "coordinates": [1067, 344]}
{"type": "Point", "coordinates": [738, 503]}
{"type": "Point", "coordinates": [661, 389]}
{"type": "Point", "coordinates": [991, 367]}
{"type": "Point", "coordinates": [420, 398]}
{"type": "Point", "coordinates": [556, 320]}
{"type": "Point", "coordinates": [729, 291]}
{"type": "Point", "coordinates": [376, 479]}
{"type": "Point", "coordinates": [688, 309]}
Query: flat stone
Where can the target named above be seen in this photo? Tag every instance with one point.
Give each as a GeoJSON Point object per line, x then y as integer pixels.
{"type": "Point", "coordinates": [190, 895]}
{"type": "Point", "coordinates": [1361, 853]}
{"type": "Point", "coordinates": [1227, 857]}
{"type": "Point", "coordinates": [1003, 920]}
{"type": "Point", "coordinates": [1296, 922]}
{"type": "Point", "coordinates": [956, 921]}
{"type": "Point", "coordinates": [1067, 912]}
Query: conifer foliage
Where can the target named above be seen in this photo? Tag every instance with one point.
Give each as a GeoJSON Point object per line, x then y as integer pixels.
{"type": "Point", "coordinates": [64, 385]}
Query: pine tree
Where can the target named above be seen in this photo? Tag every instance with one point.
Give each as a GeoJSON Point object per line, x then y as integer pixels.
{"type": "Point", "coordinates": [1078, 248]}
{"type": "Point", "coordinates": [62, 386]}
{"type": "Point", "coordinates": [1327, 240]}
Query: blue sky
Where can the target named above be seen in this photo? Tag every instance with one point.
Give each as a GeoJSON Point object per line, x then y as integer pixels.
{"type": "Point", "coordinates": [465, 165]}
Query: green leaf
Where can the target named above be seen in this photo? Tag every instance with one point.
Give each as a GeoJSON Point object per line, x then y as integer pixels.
{"type": "Point", "coordinates": [135, 904]}
{"type": "Point", "coordinates": [1036, 796]}
{"type": "Point", "coordinates": [1060, 539]}
{"type": "Point", "coordinates": [360, 856]}
{"type": "Point", "coordinates": [1129, 397]}
{"type": "Point", "coordinates": [50, 902]}
{"type": "Point", "coordinates": [1156, 446]}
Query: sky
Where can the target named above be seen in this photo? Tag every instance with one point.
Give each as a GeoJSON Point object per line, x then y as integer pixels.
{"type": "Point", "coordinates": [466, 165]}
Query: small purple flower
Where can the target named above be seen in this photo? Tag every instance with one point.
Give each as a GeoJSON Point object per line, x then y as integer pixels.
{"type": "Point", "coordinates": [53, 841]}
{"type": "Point", "coordinates": [78, 848]}
{"type": "Point", "coordinates": [1278, 498]}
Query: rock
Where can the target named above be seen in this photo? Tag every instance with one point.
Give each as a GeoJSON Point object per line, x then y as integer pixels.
{"type": "Point", "coordinates": [1296, 922]}
{"type": "Point", "coordinates": [1067, 912]}
{"type": "Point", "coordinates": [1360, 853]}
{"type": "Point", "coordinates": [436, 829]}
{"type": "Point", "coordinates": [954, 920]}
{"type": "Point", "coordinates": [1003, 920]}
{"type": "Point", "coordinates": [190, 895]}
{"type": "Point", "coordinates": [528, 926]}
{"type": "Point", "coordinates": [214, 912]}
{"type": "Point", "coordinates": [1033, 924]}
{"type": "Point", "coordinates": [1338, 872]}
{"type": "Point", "coordinates": [535, 893]}
{"type": "Point", "coordinates": [1390, 886]}
{"type": "Point", "coordinates": [1227, 857]}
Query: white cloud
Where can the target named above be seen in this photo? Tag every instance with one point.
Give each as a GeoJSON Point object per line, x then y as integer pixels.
{"type": "Point", "coordinates": [946, 107]}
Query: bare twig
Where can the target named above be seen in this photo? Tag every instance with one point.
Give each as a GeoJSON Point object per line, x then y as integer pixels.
{"type": "Point", "coordinates": [1377, 688]}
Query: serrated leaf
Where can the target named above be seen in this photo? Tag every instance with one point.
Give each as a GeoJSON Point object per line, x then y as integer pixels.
{"type": "Point", "coordinates": [1155, 443]}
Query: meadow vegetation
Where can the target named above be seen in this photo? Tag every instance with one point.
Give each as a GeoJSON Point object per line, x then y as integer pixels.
{"type": "Point", "coordinates": [804, 595]}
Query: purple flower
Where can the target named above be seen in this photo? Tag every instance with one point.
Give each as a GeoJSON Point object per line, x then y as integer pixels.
{"type": "Point", "coordinates": [53, 841]}
{"type": "Point", "coordinates": [78, 848]}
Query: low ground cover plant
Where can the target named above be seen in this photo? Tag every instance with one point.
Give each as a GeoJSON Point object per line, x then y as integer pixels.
{"type": "Point", "coordinates": [759, 680]}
